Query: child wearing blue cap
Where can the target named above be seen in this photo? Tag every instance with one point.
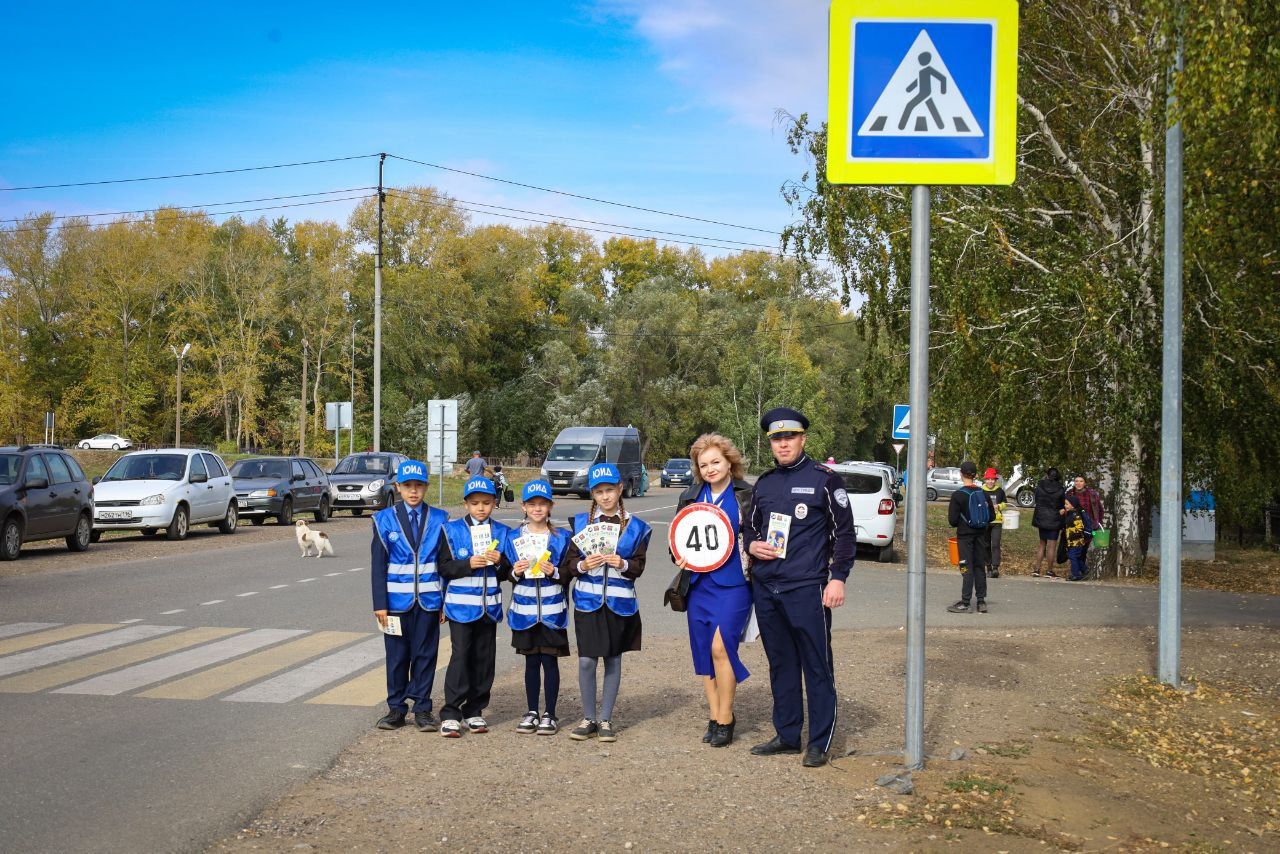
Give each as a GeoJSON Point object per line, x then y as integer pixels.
{"type": "Point", "coordinates": [404, 555]}
{"type": "Point", "coordinates": [539, 612]}
{"type": "Point", "coordinates": [606, 613]}
{"type": "Point", "coordinates": [473, 607]}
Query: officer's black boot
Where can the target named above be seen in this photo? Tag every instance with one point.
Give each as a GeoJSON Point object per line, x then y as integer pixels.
{"type": "Point", "coordinates": [711, 731]}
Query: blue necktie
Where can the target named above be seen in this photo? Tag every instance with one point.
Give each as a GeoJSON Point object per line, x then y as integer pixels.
{"type": "Point", "coordinates": [413, 523]}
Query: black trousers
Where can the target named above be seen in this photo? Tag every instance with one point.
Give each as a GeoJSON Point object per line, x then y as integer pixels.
{"type": "Point", "coordinates": [796, 630]}
{"type": "Point", "coordinates": [973, 565]}
{"type": "Point", "coordinates": [469, 677]}
{"type": "Point", "coordinates": [411, 660]}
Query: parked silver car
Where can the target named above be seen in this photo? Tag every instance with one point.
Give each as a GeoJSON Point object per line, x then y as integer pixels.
{"type": "Point", "coordinates": [941, 481]}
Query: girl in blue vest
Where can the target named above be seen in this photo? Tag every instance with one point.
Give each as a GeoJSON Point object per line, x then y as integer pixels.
{"type": "Point", "coordinates": [473, 607]}
{"type": "Point", "coordinates": [719, 604]}
{"type": "Point", "coordinates": [407, 547]}
{"type": "Point", "coordinates": [539, 611]}
{"type": "Point", "coordinates": [606, 615]}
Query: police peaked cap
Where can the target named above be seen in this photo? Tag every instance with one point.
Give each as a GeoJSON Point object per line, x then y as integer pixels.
{"type": "Point", "coordinates": [783, 421]}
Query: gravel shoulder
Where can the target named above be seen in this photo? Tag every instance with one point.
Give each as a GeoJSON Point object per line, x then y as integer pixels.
{"type": "Point", "coordinates": [1046, 766]}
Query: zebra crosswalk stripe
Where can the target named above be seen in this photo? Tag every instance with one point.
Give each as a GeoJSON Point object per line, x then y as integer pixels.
{"type": "Point", "coordinates": [208, 683]}
{"type": "Point", "coordinates": [83, 668]}
{"type": "Point", "coordinates": [61, 633]}
{"type": "Point", "coordinates": [151, 672]}
{"type": "Point", "coordinates": [370, 687]}
{"type": "Point", "coordinates": [54, 653]}
{"type": "Point", "coordinates": [11, 629]}
{"type": "Point", "coordinates": [311, 677]}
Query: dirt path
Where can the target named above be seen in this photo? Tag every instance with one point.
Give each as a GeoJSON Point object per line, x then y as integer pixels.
{"type": "Point", "coordinates": [1054, 729]}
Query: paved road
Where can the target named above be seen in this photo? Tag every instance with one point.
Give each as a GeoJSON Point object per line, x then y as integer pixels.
{"type": "Point", "coordinates": [159, 703]}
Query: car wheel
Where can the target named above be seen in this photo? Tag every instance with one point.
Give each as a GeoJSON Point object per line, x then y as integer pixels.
{"type": "Point", "coordinates": [1026, 498]}
{"type": "Point", "coordinates": [94, 536]}
{"type": "Point", "coordinates": [11, 538]}
{"type": "Point", "coordinates": [388, 500]}
{"type": "Point", "coordinates": [180, 525]}
{"type": "Point", "coordinates": [357, 511]}
{"type": "Point", "coordinates": [84, 446]}
{"type": "Point", "coordinates": [885, 554]}
{"type": "Point", "coordinates": [322, 513]}
{"type": "Point", "coordinates": [258, 520]}
{"type": "Point", "coordinates": [931, 494]}
{"type": "Point", "coordinates": [115, 447]}
{"type": "Point", "coordinates": [79, 539]}
{"type": "Point", "coordinates": [285, 516]}
{"type": "Point", "coordinates": [229, 521]}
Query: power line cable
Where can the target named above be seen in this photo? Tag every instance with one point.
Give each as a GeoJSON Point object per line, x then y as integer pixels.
{"type": "Point", "coordinates": [580, 196]}
{"type": "Point", "coordinates": [187, 174]}
{"type": "Point", "coordinates": [203, 205]}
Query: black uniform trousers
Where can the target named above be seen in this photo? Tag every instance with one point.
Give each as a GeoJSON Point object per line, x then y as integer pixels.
{"type": "Point", "coordinates": [973, 564]}
{"type": "Point", "coordinates": [796, 630]}
{"type": "Point", "coordinates": [469, 677]}
{"type": "Point", "coordinates": [411, 659]}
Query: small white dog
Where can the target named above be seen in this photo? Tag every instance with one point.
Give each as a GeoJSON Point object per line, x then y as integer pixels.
{"type": "Point", "coordinates": [309, 539]}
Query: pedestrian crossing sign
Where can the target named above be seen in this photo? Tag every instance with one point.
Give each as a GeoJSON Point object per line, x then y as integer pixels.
{"type": "Point", "coordinates": [923, 92]}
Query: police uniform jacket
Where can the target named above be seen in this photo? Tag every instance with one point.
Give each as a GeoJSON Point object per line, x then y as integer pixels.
{"type": "Point", "coordinates": [821, 542]}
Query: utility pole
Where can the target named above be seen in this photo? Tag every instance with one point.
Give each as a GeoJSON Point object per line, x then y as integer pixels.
{"type": "Point", "coordinates": [302, 404]}
{"type": "Point", "coordinates": [177, 409]}
{"type": "Point", "coordinates": [351, 433]}
{"type": "Point", "coordinates": [377, 318]}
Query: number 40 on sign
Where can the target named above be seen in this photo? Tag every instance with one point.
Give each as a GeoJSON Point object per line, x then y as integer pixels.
{"type": "Point", "coordinates": [701, 537]}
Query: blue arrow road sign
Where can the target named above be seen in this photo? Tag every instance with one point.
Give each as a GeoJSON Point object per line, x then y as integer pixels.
{"type": "Point", "coordinates": [902, 421]}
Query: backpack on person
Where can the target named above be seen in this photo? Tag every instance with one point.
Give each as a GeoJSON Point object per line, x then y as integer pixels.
{"type": "Point", "coordinates": [978, 513]}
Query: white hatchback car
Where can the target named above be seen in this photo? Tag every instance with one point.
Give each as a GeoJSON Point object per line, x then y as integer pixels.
{"type": "Point", "coordinates": [170, 488]}
{"type": "Point", "coordinates": [873, 500]}
{"type": "Point", "coordinates": [105, 442]}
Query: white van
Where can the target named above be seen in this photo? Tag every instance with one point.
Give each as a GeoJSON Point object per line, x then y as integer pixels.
{"type": "Point", "coordinates": [576, 449]}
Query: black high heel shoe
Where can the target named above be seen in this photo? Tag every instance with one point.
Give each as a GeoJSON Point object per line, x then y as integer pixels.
{"type": "Point", "coordinates": [723, 736]}
{"type": "Point", "coordinates": [710, 733]}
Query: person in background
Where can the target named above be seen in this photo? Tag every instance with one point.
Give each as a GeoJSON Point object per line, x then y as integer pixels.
{"type": "Point", "coordinates": [1047, 519]}
{"type": "Point", "coordinates": [971, 537]}
{"type": "Point", "coordinates": [476, 465]}
{"type": "Point", "coordinates": [990, 483]}
{"type": "Point", "coordinates": [1077, 527]}
{"type": "Point", "coordinates": [1086, 498]}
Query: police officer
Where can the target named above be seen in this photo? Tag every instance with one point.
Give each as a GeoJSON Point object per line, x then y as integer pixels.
{"type": "Point", "coordinates": [794, 594]}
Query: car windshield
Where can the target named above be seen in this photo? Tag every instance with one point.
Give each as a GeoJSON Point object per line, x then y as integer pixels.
{"type": "Point", "coordinates": [9, 465]}
{"type": "Point", "coordinates": [277, 469]}
{"type": "Point", "coordinates": [860, 483]}
{"type": "Point", "coordinates": [679, 465]}
{"type": "Point", "coordinates": [572, 453]}
{"type": "Point", "coordinates": [148, 467]}
{"type": "Point", "coordinates": [363, 465]}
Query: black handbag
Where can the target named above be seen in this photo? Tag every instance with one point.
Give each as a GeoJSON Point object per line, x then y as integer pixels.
{"type": "Point", "coordinates": [677, 595]}
{"type": "Point", "coordinates": [509, 495]}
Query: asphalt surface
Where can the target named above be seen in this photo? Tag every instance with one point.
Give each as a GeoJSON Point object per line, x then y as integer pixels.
{"type": "Point", "coordinates": [165, 700]}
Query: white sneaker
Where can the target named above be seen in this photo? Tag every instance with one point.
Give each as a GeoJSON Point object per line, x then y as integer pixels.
{"type": "Point", "coordinates": [451, 729]}
{"type": "Point", "coordinates": [477, 724]}
{"type": "Point", "coordinates": [529, 723]}
{"type": "Point", "coordinates": [548, 725]}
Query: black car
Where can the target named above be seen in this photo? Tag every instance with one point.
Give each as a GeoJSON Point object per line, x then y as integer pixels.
{"type": "Point", "coordinates": [364, 481]}
{"type": "Point", "coordinates": [280, 487]}
{"type": "Point", "coordinates": [43, 495]}
{"type": "Point", "coordinates": [678, 472]}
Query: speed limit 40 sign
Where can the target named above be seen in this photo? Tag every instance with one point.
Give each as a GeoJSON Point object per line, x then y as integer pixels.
{"type": "Point", "coordinates": [701, 537]}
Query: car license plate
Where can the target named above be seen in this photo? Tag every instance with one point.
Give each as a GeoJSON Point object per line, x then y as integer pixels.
{"type": "Point", "coordinates": [342, 497]}
{"type": "Point", "coordinates": [560, 482]}
{"type": "Point", "coordinates": [243, 504]}
{"type": "Point", "coordinates": [115, 514]}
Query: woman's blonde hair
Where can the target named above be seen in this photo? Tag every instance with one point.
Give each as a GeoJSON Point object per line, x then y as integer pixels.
{"type": "Point", "coordinates": [737, 468]}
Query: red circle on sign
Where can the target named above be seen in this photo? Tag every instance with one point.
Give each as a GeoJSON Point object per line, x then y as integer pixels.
{"type": "Point", "coordinates": [694, 531]}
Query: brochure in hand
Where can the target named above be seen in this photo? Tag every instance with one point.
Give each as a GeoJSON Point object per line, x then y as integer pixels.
{"type": "Point", "coordinates": [481, 539]}
{"type": "Point", "coordinates": [598, 538]}
{"type": "Point", "coordinates": [779, 528]}
{"type": "Point", "coordinates": [532, 547]}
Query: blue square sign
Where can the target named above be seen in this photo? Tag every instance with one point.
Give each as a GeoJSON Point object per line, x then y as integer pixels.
{"type": "Point", "coordinates": [922, 90]}
{"type": "Point", "coordinates": [902, 421]}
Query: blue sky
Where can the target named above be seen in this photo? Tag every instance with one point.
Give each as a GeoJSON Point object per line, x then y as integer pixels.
{"type": "Point", "coordinates": [662, 104]}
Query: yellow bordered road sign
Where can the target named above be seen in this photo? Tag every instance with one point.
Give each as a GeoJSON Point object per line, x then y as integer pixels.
{"type": "Point", "coordinates": [922, 92]}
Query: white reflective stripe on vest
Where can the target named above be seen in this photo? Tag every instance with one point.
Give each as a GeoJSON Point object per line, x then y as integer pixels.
{"type": "Point", "coordinates": [548, 608]}
{"type": "Point", "coordinates": [400, 587]}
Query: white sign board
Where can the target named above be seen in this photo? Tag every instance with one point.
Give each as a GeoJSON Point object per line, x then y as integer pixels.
{"type": "Point", "coordinates": [442, 432]}
{"type": "Point", "coordinates": [337, 416]}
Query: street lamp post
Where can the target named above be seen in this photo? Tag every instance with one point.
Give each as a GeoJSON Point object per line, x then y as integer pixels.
{"type": "Point", "coordinates": [177, 410]}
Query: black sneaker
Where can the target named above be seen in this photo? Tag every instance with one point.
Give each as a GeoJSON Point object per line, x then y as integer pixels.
{"type": "Point", "coordinates": [393, 719]}
{"type": "Point", "coordinates": [604, 731]}
{"type": "Point", "coordinates": [587, 729]}
{"type": "Point", "coordinates": [982, 607]}
{"type": "Point", "coordinates": [961, 607]}
{"type": "Point", "coordinates": [994, 573]}
{"type": "Point", "coordinates": [549, 725]}
{"type": "Point", "coordinates": [425, 721]}
{"type": "Point", "coordinates": [529, 723]}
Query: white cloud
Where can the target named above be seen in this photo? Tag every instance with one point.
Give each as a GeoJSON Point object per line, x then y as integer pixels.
{"type": "Point", "coordinates": [748, 58]}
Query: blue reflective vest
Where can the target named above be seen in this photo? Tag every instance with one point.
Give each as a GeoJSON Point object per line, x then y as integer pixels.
{"type": "Point", "coordinates": [604, 584]}
{"type": "Point", "coordinates": [539, 600]}
{"type": "Point", "coordinates": [411, 575]}
{"type": "Point", "coordinates": [477, 595]}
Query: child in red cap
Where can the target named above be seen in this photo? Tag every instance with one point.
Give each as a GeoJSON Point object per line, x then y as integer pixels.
{"type": "Point", "coordinates": [991, 485]}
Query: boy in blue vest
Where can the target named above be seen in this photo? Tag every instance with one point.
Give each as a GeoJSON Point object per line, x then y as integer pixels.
{"type": "Point", "coordinates": [473, 607]}
{"type": "Point", "coordinates": [407, 541]}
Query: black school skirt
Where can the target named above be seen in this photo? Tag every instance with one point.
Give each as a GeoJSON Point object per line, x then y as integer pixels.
{"type": "Point", "coordinates": [541, 640]}
{"type": "Point", "coordinates": [603, 634]}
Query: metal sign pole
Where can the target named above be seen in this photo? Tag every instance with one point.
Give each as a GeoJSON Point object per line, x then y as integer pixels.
{"type": "Point", "coordinates": [442, 411]}
{"type": "Point", "coordinates": [1171, 405]}
{"type": "Point", "coordinates": [913, 747]}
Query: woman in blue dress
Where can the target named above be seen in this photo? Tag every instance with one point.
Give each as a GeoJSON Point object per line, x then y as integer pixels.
{"type": "Point", "coordinates": [719, 604]}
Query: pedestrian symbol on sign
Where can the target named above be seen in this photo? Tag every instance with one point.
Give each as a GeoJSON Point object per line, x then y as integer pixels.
{"type": "Point", "coordinates": [921, 99]}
